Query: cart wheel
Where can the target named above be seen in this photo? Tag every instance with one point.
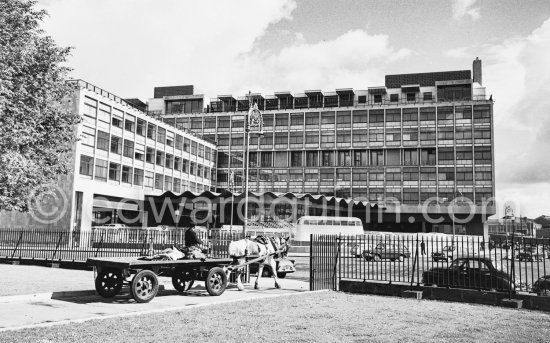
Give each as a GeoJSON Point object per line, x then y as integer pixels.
{"type": "Point", "coordinates": [216, 281]}
{"type": "Point", "coordinates": [108, 282]}
{"type": "Point", "coordinates": [281, 275]}
{"type": "Point", "coordinates": [183, 279]}
{"type": "Point", "coordinates": [144, 286]}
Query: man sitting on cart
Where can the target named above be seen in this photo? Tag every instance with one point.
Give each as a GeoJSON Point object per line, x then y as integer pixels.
{"type": "Point", "coordinates": [194, 248]}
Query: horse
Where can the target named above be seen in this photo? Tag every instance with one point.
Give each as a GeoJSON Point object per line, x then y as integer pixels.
{"type": "Point", "coordinates": [270, 247]}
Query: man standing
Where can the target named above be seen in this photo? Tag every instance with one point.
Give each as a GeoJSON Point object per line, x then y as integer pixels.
{"type": "Point", "coordinates": [423, 248]}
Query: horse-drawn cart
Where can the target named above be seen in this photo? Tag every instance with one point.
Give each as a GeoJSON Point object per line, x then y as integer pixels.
{"type": "Point", "coordinates": [113, 272]}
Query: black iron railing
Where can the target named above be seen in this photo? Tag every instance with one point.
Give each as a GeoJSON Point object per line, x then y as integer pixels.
{"type": "Point", "coordinates": [512, 264]}
{"type": "Point", "coordinates": [65, 246]}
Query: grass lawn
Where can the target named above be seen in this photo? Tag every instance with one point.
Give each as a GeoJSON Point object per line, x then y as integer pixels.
{"type": "Point", "coordinates": [315, 317]}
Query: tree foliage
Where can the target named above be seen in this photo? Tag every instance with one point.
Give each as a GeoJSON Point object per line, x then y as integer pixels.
{"type": "Point", "coordinates": [37, 130]}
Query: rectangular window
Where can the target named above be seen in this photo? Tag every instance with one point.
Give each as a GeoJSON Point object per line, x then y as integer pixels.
{"type": "Point", "coordinates": [159, 178]}
{"type": "Point", "coordinates": [104, 113]}
{"type": "Point", "coordinates": [327, 118]}
{"type": "Point", "coordinates": [192, 168]}
{"type": "Point", "coordinates": [177, 163]}
{"type": "Point", "coordinates": [100, 169]}
{"type": "Point", "coordinates": [86, 165]}
{"type": "Point", "coordinates": [140, 127]}
{"type": "Point", "coordinates": [394, 97]}
{"type": "Point", "coordinates": [169, 161]}
{"type": "Point", "coordinates": [102, 140]}
{"type": "Point", "coordinates": [377, 98]}
{"type": "Point", "coordinates": [312, 159]}
{"type": "Point", "coordinates": [327, 158]}
{"type": "Point", "coordinates": [360, 117]}
{"type": "Point", "coordinates": [362, 99]}
{"type": "Point", "coordinates": [360, 158]}
{"type": "Point", "coordinates": [150, 155]}
{"type": "Point", "coordinates": [138, 177]}
{"type": "Point", "coordinates": [296, 159]}
{"type": "Point", "coordinates": [179, 142]}
{"type": "Point", "coordinates": [168, 183]}
{"type": "Point", "coordinates": [177, 185]}
{"type": "Point", "coordinates": [149, 179]}
{"type": "Point", "coordinates": [186, 144]}
{"type": "Point", "coordinates": [159, 158]}
{"type": "Point", "coordinates": [138, 155]}
{"type": "Point", "coordinates": [297, 119]}
{"type": "Point", "coordinates": [116, 145]}
{"type": "Point", "coordinates": [344, 158]}
{"type": "Point", "coordinates": [185, 166]}
{"type": "Point", "coordinates": [161, 135]}
{"type": "Point", "coordinates": [266, 159]}
{"type": "Point", "coordinates": [376, 116]}
{"type": "Point", "coordinates": [126, 174]}
{"type": "Point", "coordinates": [193, 148]}
{"type": "Point", "coordinates": [129, 123]}
{"type": "Point", "coordinates": [312, 119]}
{"type": "Point", "coordinates": [427, 96]}
{"type": "Point", "coordinates": [151, 131]}
{"type": "Point", "coordinates": [128, 148]}
{"type": "Point", "coordinates": [376, 157]}
{"type": "Point", "coordinates": [411, 96]}
{"type": "Point", "coordinates": [90, 107]}
{"type": "Point", "coordinates": [427, 113]}
{"type": "Point", "coordinates": [116, 122]}
{"type": "Point", "coordinates": [114, 171]}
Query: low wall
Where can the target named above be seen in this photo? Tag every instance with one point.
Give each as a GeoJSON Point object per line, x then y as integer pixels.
{"type": "Point", "coordinates": [532, 302]}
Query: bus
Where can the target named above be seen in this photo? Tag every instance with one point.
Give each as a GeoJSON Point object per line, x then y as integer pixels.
{"type": "Point", "coordinates": [307, 225]}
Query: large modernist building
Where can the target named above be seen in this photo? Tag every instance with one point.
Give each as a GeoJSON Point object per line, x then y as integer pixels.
{"type": "Point", "coordinates": [122, 156]}
{"type": "Point", "coordinates": [413, 150]}
{"type": "Point", "coordinates": [422, 138]}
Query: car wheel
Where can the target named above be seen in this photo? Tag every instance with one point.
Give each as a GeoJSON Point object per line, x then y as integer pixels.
{"type": "Point", "coordinates": [544, 292]}
{"type": "Point", "coordinates": [377, 258]}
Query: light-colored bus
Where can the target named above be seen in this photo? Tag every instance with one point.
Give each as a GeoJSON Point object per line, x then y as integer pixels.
{"type": "Point", "coordinates": [307, 225]}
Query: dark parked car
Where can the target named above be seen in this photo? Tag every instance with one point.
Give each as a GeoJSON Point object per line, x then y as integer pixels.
{"type": "Point", "coordinates": [470, 272]}
{"type": "Point", "coordinates": [387, 251]}
{"type": "Point", "coordinates": [542, 286]}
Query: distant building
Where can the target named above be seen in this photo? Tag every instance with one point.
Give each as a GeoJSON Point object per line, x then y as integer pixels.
{"type": "Point", "coordinates": [507, 225]}
{"type": "Point", "coordinates": [420, 136]}
{"type": "Point", "coordinates": [544, 222]}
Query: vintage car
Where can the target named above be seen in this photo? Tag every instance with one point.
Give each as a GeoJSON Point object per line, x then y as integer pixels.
{"type": "Point", "coordinates": [284, 266]}
{"type": "Point", "coordinates": [470, 272]}
{"type": "Point", "coordinates": [542, 286]}
{"type": "Point", "coordinates": [387, 251]}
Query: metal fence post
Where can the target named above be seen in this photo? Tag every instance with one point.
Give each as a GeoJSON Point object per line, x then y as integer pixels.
{"type": "Point", "coordinates": [311, 268]}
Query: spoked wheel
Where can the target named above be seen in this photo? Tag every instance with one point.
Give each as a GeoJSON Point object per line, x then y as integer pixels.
{"type": "Point", "coordinates": [183, 279]}
{"type": "Point", "coordinates": [144, 286]}
{"type": "Point", "coordinates": [108, 282]}
{"type": "Point", "coordinates": [216, 281]}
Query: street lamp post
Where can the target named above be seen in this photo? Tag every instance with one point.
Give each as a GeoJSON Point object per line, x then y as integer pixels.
{"type": "Point", "coordinates": [252, 118]}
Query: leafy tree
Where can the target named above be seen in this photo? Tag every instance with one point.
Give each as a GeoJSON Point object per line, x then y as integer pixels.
{"type": "Point", "coordinates": [37, 130]}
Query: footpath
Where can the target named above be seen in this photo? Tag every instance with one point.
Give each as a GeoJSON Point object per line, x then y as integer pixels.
{"type": "Point", "coordinates": [32, 296]}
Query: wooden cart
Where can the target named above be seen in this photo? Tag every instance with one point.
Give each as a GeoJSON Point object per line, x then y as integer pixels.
{"type": "Point", "coordinates": [113, 272]}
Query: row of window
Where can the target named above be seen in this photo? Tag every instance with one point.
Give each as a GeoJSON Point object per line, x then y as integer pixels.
{"type": "Point", "coordinates": [358, 157]}
{"type": "Point", "coordinates": [409, 116]}
{"type": "Point", "coordinates": [282, 139]}
{"type": "Point", "coordinates": [126, 147]}
{"type": "Point", "coordinates": [118, 172]}
{"type": "Point", "coordinates": [331, 175]}
{"type": "Point", "coordinates": [141, 127]}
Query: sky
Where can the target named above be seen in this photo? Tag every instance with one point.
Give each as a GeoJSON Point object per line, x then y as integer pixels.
{"type": "Point", "coordinates": [128, 47]}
